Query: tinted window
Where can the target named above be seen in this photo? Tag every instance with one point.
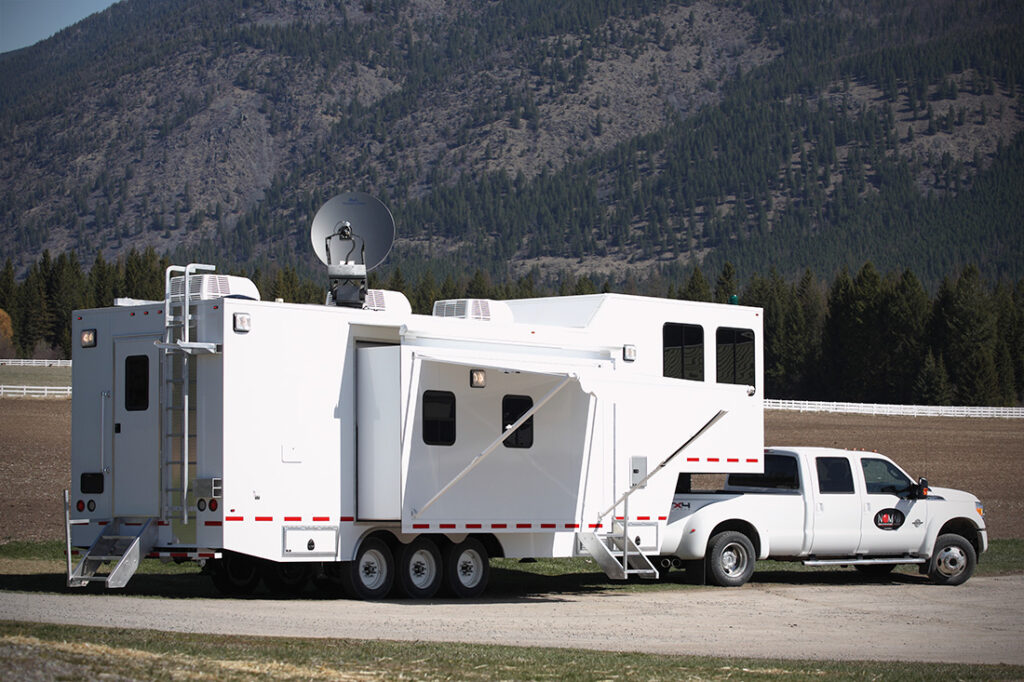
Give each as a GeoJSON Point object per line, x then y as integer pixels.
{"type": "Point", "coordinates": [512, 408]}
{"type": "Point", "coordinates": [735, 353]}
{"type": "Point", "coordinates": [834, 475]}
{"type": "Point", "coordinates": [683, 351]}
{"type": "Point", "coordinates": [780, 472]}
{"type": "Point", "coordinates": [881, 476]}
{"type": "Point", "coordinates": [136, 383]}
{"type": "Point", "coordinates": [438, 417]}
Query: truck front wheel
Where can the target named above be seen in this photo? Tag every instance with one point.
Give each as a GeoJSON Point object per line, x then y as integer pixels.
{"type": "Point", "coordinates": [730, 559]}
{"type": "Point", "coordinates": [952, 561]}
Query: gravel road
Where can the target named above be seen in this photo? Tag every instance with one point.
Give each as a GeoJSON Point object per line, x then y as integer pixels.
{"type": "Point", "coordinates": [981, 621]}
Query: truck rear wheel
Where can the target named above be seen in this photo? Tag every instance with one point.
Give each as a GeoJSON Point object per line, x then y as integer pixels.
{"type": "Point", "coordinates": [466, 568]}
{"type": "Point", "coordinates": [372, 573]}
{"type": "Point", "coordinates": [235, 574]}
{"type": "Point", "coordinates": [730, 558]}
{"type": "Point", "coordinates": [953, 560]}
{"type": "Point", "coordinates": [285, 578]}
{"type": "Point", "coordinates": [419, 568]}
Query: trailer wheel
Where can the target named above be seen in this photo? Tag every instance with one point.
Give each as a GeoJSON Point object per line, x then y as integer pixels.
{"type": "Point", "coordinates": [953, 560]}
{"type": "Point", "coordinates": [235, 574]}
{"type": "Point", "coordinates": [420, 568]}
{"type": "Point", "coordinates": [466, 568]}
{"type": "Point", "coordinates": [372, 573]}
{"type": "Point", "coordinates": [285, 578]}
{"type": "Point", "coordinates": [730, 558]}
{"type": "Point", "coordinates": [329, 579]}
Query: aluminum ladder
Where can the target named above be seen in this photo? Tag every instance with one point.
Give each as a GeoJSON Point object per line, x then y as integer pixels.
{"type": "Point", "coordinates": [122, 543]}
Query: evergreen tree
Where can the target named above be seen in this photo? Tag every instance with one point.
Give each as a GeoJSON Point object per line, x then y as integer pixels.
{"type": "Point", "coordinates": [932, 384]}
{"type": "Point", "coordinates": [725, 285]}
{"type": "Point", "coordinates": [697, 288]}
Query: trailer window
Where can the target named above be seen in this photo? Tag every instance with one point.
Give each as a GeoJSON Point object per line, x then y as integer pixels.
{"type": "Point", "coordinates": [834, 475]}
{"type": "Point", "coordinates": [136, 383]}
{"type": "Point", "coordinates": [735, 356]}
{"type": "Point", "coordinates": [682, 351]}
{"type": "Point", "coordinates": [883, 477]}
{"type": "Point", "coordinates": [439, 418]}
{"type": "Point", "coordinates": [512, 408]}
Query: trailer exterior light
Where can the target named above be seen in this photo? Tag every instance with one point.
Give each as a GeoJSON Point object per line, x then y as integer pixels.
{"type": "Point", "coordinates": [91, 505]}
{"type": "Point", "coordinates": [213, 505]}
{"type": "Point", "coordinates": [201, 505]}
{"type": "Point", "coordinates": [242, 322]}
{"type": "Point", "coordinates": [477, 378]}
{"type": "Point", "coordinates": [80, 506]}
{"type": "Point", "coordinates": [88, 338]}
{"type": "Point", "coordinates": [629, 353]}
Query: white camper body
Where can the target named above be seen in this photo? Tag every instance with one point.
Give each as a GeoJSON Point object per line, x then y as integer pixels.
{"type": "Point", "coordinates": [221, 427]}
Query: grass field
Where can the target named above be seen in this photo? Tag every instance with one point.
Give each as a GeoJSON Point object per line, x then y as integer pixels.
{"type": "Point", "coordinates": [34, 376]}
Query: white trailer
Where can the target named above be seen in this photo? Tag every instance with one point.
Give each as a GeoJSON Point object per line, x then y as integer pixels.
{"type": "Point", "coordinates": [374, 448]}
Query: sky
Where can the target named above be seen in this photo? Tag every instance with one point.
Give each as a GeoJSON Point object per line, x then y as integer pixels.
{"type": "Point", "coordinates": [26, 22]}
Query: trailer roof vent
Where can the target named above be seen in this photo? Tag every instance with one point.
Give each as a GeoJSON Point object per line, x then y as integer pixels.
{"type": "Point", "coordinates": [387, 301]}
{"type": "Point", "coordinates": [206, 287]}
{"type": "Point", "coordinates": [474, 309]}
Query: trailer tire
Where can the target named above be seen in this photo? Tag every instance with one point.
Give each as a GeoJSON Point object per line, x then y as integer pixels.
{"type": "Point", "coordinates": [372, 574]}
{"type": "Point", "coordinates": [466, 568]}
{"type": "Point", "coordinates": [420, 568]}
{"type": "Point", "coordinates": [285, 578]}
{"type": "Point", "coordinates": [730, 558]}
{"type": "Point", "coordinates": [953, 560]}
{"type": "Point", "coordinates": [235, 574]}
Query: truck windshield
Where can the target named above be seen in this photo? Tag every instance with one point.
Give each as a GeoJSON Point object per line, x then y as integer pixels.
{"type": "Point", "coordinates": [881, 476]}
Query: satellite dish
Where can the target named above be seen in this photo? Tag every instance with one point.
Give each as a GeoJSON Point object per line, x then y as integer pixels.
{"type": "Point", "coordinates": [359, 219]}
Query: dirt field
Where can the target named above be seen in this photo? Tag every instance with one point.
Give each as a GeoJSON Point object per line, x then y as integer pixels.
{"type": "Point", "coordinates": [984, 456]}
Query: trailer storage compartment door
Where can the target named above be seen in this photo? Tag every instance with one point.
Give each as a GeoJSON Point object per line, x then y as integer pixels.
{"type": "Point", "coordinates": [379, 428]}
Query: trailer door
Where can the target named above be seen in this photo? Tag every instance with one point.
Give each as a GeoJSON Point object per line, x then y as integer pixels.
{"type": "Point", "coordinates": [136, 451]}
{"type": "Point", "coordinates": [379, 430]}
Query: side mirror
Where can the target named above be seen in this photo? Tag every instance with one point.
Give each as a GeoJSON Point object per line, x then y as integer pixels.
{"type": "Point", "coordinates": [922, 488]}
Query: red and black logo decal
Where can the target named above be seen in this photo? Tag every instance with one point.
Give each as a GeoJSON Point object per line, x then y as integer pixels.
{"type": "Point", "coordinates": [889, 519]}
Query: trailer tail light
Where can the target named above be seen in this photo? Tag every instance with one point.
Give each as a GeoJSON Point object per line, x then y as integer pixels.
{"type": "Point", "coordinates": [88, 338]}
{"type": "Point", "coordinates": [213, 505]}
{"type": "Point", "coordinates": [80, 506]}
{"type": "Point", "coordinates": [91, 505]}
{"type": "Point", "coordinates": [201, 505]}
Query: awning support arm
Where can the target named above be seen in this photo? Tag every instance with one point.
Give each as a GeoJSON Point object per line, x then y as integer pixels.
{"type": "Point", "coordinates": [491, 448]}
{"type": "Point", "coordinates": [664, 462]}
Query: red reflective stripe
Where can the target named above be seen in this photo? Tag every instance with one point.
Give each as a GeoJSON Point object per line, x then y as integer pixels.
{"type": "Point", "coordinates": [321, 518]}
{"type": "Point", "coordinates": [752, 461]}
{"type": "Point", "coordinates": [233, 518]}
{"type": "Point", "coordinates": [264, 518]}
{"type": "Point", "coordinates": [693, 459]}
{"type": "Point", "coordinates": [206, 555]}
{"type": "Point", "coordinates": [212, 523]}
{"type": "Point", "coordinates": [473, 525]}
{"type": "Point", "coordinates": [179, 555]}
{"type": "Point", "coordinates": [524, 525]}
{"type": "Point", "coordinates": [293, 518]}
{"type": "Point", "coordinates": [547, 525]}
{"type": "Point", "coordinates": [102, 523]}
{"type": "Point", "coordinates": [732, 459]}
{"type": "Point", "coordinates": [162, 523]}
{"type": "Point", "coordinates": [447, 525]}
{"type": "Point", "coordinates": [421, 526]}
{"type": "Point", "coordinates": [499, 525]}
{"type": "Point", "coordinates": [348, 518]}
{"type": "Point", "coordinates": [643, 518]}
{"type": "Point", "coordinates": [597, 525]}
{"type": "Point", "coordinates": [663, 518]}
{"type": "Point", "coordinates": [712, 459]}
{"type": "Point", "coordinates": [572, 525]}
{"type": "Point", "coordinates": [132, 523]}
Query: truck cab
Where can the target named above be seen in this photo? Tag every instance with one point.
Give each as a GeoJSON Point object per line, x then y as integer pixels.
{"type": "Point", "coordinates": [824, 506]}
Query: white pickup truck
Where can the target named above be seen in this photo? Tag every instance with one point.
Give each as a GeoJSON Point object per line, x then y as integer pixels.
{"type": "Point", "coordinates": [824, 507]}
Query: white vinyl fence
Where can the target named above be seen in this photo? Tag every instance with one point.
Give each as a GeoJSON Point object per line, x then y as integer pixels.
{"type": "Point", "coordinates": [18, 362]}
{"type": "Point", "coordinates": [35, 391]}
{"type": "Point", "coordinates": [896, 410]}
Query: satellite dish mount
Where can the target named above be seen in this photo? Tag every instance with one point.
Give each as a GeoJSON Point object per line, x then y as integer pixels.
{"type": "Point", "coordinates": [362, 231]}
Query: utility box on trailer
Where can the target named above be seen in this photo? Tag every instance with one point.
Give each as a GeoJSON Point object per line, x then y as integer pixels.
{"type": "Point", "coordinates": [371, 447]}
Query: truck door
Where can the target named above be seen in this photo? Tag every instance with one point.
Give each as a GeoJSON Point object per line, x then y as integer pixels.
{"type": "Point", "coordinates": [136, 414]}
{"type": "Point", "coordinates": [836, 508]}
{"type": "Point", "coordinates": [891, 522]}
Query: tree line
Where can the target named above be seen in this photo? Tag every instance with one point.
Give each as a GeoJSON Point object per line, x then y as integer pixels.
{"type": "Point", "coordinates": [866, 336]}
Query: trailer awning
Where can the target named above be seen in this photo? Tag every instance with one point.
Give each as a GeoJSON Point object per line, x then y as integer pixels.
{"type": "Point", "coordinates": [577, 369]}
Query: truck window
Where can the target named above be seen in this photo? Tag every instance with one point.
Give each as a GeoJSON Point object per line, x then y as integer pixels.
{"type": "Point", "coordinates": [136, 383]}
{"type": "Point", "coordinates": [512, 408]}
{"type": "Point", "coordinates": [735, 356]}
{"type": "Point", "coordinates": [780, 473]}
{"type": "Point", "coordinates": [682, 351]}
{"type": "Point", "coordinates": [439, 418]}
{"type": "Point", "coordinates": [834, 475]}
{"type": "Point", "coordinates": [881, 476]}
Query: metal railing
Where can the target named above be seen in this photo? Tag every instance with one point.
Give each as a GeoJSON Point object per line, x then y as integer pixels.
{"type": "Point", "coordinates": [896, 410]}
{"type": "Point", "coordinates": [35, 391]}
{"type": "Point", "coordinates": [20, 362]}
